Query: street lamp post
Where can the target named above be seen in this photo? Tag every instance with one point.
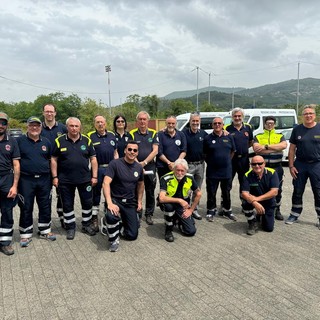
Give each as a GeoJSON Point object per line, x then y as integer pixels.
{"type": "Point", "coordinates": [108, 70]}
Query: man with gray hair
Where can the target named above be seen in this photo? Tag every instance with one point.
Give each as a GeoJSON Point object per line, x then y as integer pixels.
{"type": "Point", "coordinates": [70, 160]}
{"type": "Point", "coordinates": [176, 188]}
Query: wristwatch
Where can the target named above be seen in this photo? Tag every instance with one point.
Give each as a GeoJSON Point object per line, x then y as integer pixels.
{"type": "Point", "coordinates": [266, 146]}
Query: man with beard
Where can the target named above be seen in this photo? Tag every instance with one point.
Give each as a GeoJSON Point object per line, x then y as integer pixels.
{"type": "Point", "coordinates": [123, 190]}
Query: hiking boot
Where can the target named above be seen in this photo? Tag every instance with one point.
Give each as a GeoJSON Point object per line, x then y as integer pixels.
{"type": "Point", "coordinates": [278, 215]}
{"type": "Point", "coordinates": [196, 215]}
{"type": "Point", "coordinates": [149, 220]}
{"type": "Point", "coordinates": [169, 236]}
{"type": "Point", "coordinates": [7, 250]}
{"type": "Point", "coordinates": [95, 224]}
{"type": "Point", "coordinates": [114, 246]}
{"type": "Point", "coordinates": [292, 219]}
{"type": "Point", "coordinates": [252, 229]}
{"type": "Point", "coordinates": [88, 230]}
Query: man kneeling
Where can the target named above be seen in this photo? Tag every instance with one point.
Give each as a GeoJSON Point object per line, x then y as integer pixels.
{"type": "Point", "coordinates": [176, 188]}
{"type": "Point", "coordinates": [123, 189]}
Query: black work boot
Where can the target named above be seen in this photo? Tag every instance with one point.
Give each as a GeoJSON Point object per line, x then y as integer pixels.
{"type": "Point", "coordinates": [168, 235]}
{"type": "Point", "coordinates": [252, 228]}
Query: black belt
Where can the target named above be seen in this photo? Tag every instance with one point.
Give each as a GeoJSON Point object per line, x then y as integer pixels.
{"type": "Point", "coordinates": [241, 155]}
{"type": "Point", "coordinates": [36, 176]}
{"type": "Point", "coordinates": [196, 162]}
{"type": "Point", "coordinates": [103, 165]}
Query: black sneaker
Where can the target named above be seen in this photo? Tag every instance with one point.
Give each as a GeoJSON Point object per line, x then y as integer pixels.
{"type": "Point", "coordinates": [278, 215]}
{"type": "Point", "coordinates": [149, 220]}
{"type": "Point", "coordinates": [70, 234]}
{"type": "Point", "coordinates": [89, 230]}
{"type": "Point", "coordinates": [228, 215]}
{"type": "Point", "coordinates": [169, 236]}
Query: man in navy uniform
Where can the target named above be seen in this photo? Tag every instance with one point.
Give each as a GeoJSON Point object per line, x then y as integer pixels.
{"type": "Point", "coordinates": [304, 162]}
{"type": "Point", "coordinates": [51, 129]}
{"type": "Point", "coordinates": [105, 144]}
{"type": "Point", "coordinates": [70, 160]}
{"type": "Point", "coordinates": [35, 182]}
{"type": "Point", "coordinates": [147, 140]}
{"type": "Point", "coordinates": [259, 190]}
{"type": "Point", "coordinates": [218, 150]}
{"type": "Point", "coordinates": [123, 190]}
{"type": "Point", "coordinates": [174, 197]}
{"type": "Point", "coordinates": [195, 156]}
{"type": "Point", "coordinates": [9, 177]}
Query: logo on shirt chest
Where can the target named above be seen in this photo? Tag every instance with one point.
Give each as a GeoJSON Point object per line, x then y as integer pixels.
{"type": "Point", "coordinates": [178, 142]}
{"type": "Point", "coordinates": [136, 174]}
{"type": "Point", "coordinates": [83, 147]}
{"type": "Point", "coordinates": [8, 147]}
{"type": "Point", "coordinates": [150, 140]}
{"type": "Point", "coordinates": [246, 134]}
{"type": "Point", "coordinates": [44, 148]}
{"type": "Point", "coordinates": [112, 143]}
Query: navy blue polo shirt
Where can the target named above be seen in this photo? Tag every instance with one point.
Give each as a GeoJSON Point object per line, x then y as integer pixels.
{"type": "Point", "coordinates": [105, 145]}
{"type": "Point", "coordinates": [35, 155]}
{"type": "Point", "coordinates": [194, 144]}
{"type": "Point", "coordinates": [125, 177]}
{"type": "Point", "coordinates": [9, 151]}
{"type": "Point", "coordinates": [218, 155]}
{"type": "Point", "coordinates": [242, 137]}
{"type": "Point", "coordinates": [171, 147]}
{"type": "Point", "coordinates": [121, 142]}
{"type": "Point", "coordinates": [73, 159]}
{"type": "Point", "coordinates": [56, 131]}
{"type": "Point", "coordinates": [145, 142]}
{"type": "Point", "coordinates": [257, 187]}
{"type": "Point", "coordinates": [307, 141]}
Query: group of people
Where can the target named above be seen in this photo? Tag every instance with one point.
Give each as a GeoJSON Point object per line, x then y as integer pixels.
{"type": "Point", "coordinates": [124, 166]}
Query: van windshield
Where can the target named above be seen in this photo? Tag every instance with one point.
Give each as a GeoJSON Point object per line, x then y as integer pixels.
{"type": "Point", "coordinates": [181, 123]}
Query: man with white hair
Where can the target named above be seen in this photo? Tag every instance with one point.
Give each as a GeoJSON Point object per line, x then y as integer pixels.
{"type": "Point", "coordinates": [176, 188]}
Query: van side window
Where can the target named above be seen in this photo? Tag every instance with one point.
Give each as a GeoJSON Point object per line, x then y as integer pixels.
{"type": "Point", "coordinates": [206, 123]}
{"type": "Point", "coordinates": [255, 122]}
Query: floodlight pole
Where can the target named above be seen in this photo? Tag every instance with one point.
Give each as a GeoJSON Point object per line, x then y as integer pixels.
{"type": "Point", "coordinates": [197, 88]}
{"type": "Point", "coordinates": [298, 88]}
{"type": "Point", "coordinates": [108, 70]}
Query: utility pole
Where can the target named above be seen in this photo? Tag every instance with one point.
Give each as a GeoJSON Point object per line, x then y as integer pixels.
{"type": "Point", "coordinates": [108, 70]}
{"type": "Point", "coordinates": [197, 88]}
{"type": "Point", "coordinates": [298, 88]}
{"type": "Point", "coordinates": [209, 89]}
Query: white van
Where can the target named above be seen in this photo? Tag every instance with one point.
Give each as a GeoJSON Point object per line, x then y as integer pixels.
{"type": "Point", "coordinates": [286, 118]}
{"type": "Point", "coordinates": [206, 120]}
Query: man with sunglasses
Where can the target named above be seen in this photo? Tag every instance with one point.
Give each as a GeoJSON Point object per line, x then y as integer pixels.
{"type": "Point", "coordinates": [304, 162]}
{"type": "Point", "coordinates": [123, 187]}
{"type": "Point", "coordinates": [270, 145]}
{"type": "Point", "coordinates": [259, 190]}
{"type": "Point", "coordinates": [9, 178]}
{"type": "Point", "coordinates": [218, 150]}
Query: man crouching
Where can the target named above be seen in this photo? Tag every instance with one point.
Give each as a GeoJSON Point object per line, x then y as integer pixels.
{"type": "Point", "coordinates": [123, 190]}
{"type": "Point", "coordinates": [176, 188]}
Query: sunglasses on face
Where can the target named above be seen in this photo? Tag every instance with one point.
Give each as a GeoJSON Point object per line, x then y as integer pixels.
{"type": "Point", "coordinates": [257, 164]}
{"type": "Point", "coordinates": [217, 123]}
{"type": "Point", "coordinates": [131, 149]}
{"type": "Point", "coordinates": [3, 122]}
{"type": "Point", "coordinates": [120, 121]}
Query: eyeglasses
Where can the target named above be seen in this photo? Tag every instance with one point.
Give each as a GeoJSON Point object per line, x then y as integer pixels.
{"type": "Point", "coordinates": [120, 121]}
{"type": "Point", "coordinates": [217, 123]}
{"type": "Point", "coordinates": [308, 113]}
{"type": "Point", "coordinates": [4, 122]}
{"type": "Point", "coordinates": [257, 163]}
{"type": "Point", "coordinates": [237, 116]}
{"type": "Point", "coordinates": [131, 149]}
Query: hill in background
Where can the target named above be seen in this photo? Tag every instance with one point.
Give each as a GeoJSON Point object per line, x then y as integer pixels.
{"type": "Point", "coordinates": [270, 95]}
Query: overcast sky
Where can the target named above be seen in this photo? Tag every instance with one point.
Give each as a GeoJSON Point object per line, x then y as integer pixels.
{"type": "Point", "coordinates": [153, 47]}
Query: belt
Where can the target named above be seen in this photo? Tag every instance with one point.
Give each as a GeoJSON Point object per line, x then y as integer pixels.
{"type": "Point", "coordinates": [103, 165]}
{"type": "Point", "coordinates": [241, 155]}
{"type": "Point", "coordinates": [196, 162]}
{"type": "Point", "coordinates": [36, 176]}
{"type": "Point", "coordinates": [313, 161]}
